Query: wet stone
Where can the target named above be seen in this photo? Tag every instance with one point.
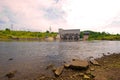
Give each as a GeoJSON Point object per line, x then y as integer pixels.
{"type": "Point", "coordinates": [94, 62]}
{"type": "Point", "coordinates": [11, 74]}
{"type": "Point", "coordinates": [54, 69]}
{"type": "Point", "coordinates": [59, 70]}
{"type": "Point", "coordinates": [10, 59]}
{"type": "Point", "coordinates": [67, 65]}
{"type": "Point", "coordinates": [80, 64]}
{"type": "Point", "coordinates": [92, 68]}
{"type": "Point", "coordinates": [50, 66]}
{"type": "Point", "coordinates": [86, 77]}
{"type": "Point", "coordinates": [88, 72]}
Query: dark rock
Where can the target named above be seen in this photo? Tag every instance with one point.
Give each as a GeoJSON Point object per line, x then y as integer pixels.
{"type": "Point", "coordinates": [74, 59]}
{"type": "Point", "coordinates": [59, 70]}
{"type": "Point", "coordinates": [108, 53]}
{"type": "Point", "coordinates": [104, 54]}
{"type": "Point", "coordinates": [10, 59]}
{"type": "Point", "coordinates": [92, 76]}
{"type": "Point", "coordinates": [11, 74]}
{"type": "Point", "coordinates": [50, 66]}
{"type": "Point", "coordinates": [54, 69]}
{"type": "Point", "coordinates": [64, 62]}
{"type": "Point", "coordinates": [79, 64]}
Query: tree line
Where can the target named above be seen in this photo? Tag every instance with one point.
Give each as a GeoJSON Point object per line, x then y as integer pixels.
{"type": "Point", "coordinates": [100, 35]}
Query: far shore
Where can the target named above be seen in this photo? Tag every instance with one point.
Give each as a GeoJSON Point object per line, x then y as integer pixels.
{"type": "Point", "coordinates": [11, 35]}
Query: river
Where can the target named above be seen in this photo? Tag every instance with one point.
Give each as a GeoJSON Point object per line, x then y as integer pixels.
{"type": "Point", "coordinates": [31, 58]}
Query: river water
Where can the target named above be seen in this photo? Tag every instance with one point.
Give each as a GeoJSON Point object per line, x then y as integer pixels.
{"type": "Point", "coordinates": [31, 58]}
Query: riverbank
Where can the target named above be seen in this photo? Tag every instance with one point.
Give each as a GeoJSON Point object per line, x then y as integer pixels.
{"type": "Point", "coordinates": [10, 35]}
{"type": "Point", "coordinates": [109, 69]}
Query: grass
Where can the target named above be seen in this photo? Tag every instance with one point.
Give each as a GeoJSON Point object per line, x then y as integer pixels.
{"type": "Point", "coordinates": [9, 35]}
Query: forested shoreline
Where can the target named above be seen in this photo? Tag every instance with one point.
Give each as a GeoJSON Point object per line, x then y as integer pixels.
{"type": "Point", "coordinates": [101, 35]}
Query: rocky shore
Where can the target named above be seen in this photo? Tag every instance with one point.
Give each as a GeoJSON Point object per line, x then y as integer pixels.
{"type": "Point", "coordinates": [105, 68]}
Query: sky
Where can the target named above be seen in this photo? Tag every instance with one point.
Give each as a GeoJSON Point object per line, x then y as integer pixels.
{"type": "Point", "coordinates": [40, 15]}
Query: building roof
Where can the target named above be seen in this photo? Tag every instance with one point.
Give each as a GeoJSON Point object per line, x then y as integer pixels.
{"type": "Point", "coordinates": [62, 31]}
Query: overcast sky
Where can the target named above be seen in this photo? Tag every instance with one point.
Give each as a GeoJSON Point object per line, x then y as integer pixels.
{"type": "Point", "coordinates": [39, 15]}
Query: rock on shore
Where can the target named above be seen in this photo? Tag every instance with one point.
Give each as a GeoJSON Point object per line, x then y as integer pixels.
{"type": "Point", "coordinates": [59, 70]}
{"type": "Point", "coordinates": [80, 64]}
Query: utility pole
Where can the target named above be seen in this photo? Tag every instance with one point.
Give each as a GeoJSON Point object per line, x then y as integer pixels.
{"type": "Point", "coordinates": [50, 29]}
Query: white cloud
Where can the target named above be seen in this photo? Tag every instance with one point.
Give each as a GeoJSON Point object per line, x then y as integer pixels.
{"type": "Point", "coordinates": [32, 13]}
{"type": "Point", "coordinates": [91, 14]}
{"type": "Point", "coordinates": [41, 14]}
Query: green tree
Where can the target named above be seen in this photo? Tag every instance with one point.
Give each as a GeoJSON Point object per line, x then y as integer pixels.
{"type": "Point", "coordinates": [47, 31]}
{"type": "Point", "coordinates": [7, 29]}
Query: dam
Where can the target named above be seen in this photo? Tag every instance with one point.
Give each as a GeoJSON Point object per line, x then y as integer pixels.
{"type": "Point", "coordinates": [69, 34]}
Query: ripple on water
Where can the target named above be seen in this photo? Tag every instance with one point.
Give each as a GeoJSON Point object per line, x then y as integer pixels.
{"type": "Point", "coordinates": [33, 57]}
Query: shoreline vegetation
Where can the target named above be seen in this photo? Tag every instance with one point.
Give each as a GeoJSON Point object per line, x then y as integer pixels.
{"type": "Point", "coordinates": [101, 35]}
{"type": "Point", "coordinates": [11, 35]}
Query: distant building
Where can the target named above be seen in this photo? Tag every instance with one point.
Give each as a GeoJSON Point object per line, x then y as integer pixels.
{"type": "Point", "coordinates": [85, 36]}
{"type": "Point", "coordinates": [70, 34]}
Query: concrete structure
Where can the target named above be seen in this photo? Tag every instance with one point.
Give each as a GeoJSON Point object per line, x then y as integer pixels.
{"type": "Point", "coordinates": [70, 34]}
{"type": "Point", "coordinates": [85, 36]}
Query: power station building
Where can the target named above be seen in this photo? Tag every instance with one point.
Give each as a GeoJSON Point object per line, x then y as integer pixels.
{"type": "Point", "coordinates": [69, 34]}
